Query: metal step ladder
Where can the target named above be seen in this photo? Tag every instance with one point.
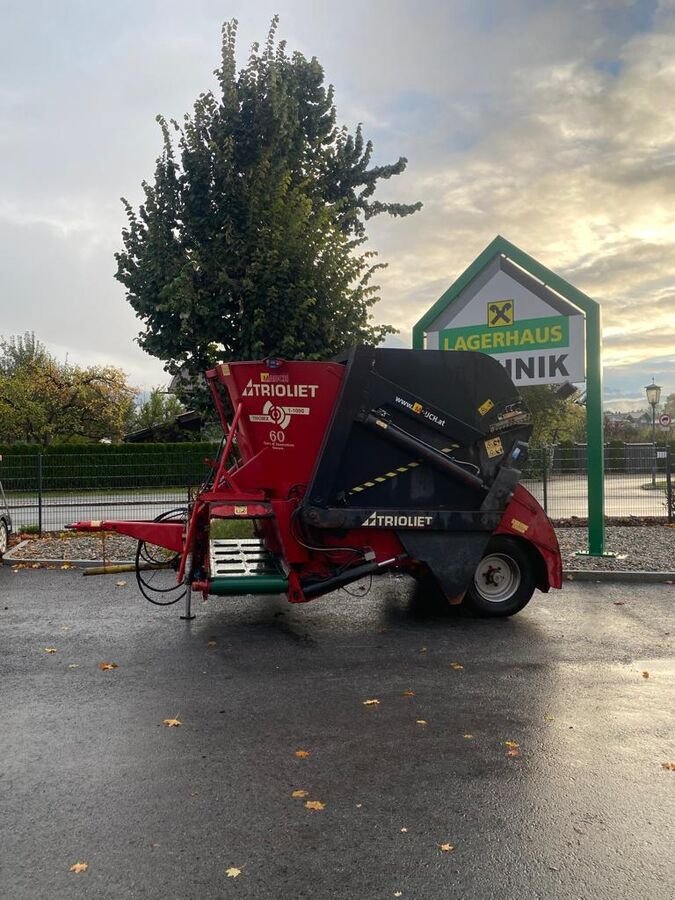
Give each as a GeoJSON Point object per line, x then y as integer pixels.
{"type": "Point", "coordinates": [244, 567]}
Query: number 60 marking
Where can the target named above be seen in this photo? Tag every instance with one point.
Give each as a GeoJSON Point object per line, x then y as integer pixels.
{"type": "Point", "coordinates": [277, 437]}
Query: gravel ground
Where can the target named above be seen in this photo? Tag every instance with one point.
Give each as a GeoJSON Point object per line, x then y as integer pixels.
{"type": "Point", "coordinates": [648, 548]}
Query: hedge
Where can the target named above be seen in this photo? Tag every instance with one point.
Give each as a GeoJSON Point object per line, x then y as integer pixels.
{"type": "Point", "coordinates": [96, 466]}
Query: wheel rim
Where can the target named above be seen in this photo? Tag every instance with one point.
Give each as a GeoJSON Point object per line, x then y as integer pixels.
{"type": "Point", "coordinates": [3, 538]}
{"type": "Point", "coordinates": [497, 578]}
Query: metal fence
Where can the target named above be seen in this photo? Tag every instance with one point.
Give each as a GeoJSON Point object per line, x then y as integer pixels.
{"type": "Point", "coordinates": [638, 480]}
{"type": "Point", "coordinates": [47, 491]}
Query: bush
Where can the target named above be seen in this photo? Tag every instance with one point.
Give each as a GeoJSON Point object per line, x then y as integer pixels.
{"type": "Point", "coordinates": [104, 466]}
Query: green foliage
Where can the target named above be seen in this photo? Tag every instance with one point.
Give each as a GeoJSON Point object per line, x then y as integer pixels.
{"type": "Point", "coordinates": [553, 419]}
{"type": "Point", "coordinates": [250, 240]}
{"type": "Point", "coordinates": [159, 409]}
{"type": "Point", "coordinates": [669, 405]}
{"type": "Point", "coordinates": [43, 400]}
{"type": "Point", "coordinates": [105, 467]}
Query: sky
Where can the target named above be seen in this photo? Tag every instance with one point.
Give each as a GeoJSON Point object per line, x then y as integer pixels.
{"type": "Point", "coordinates": [550, 122]}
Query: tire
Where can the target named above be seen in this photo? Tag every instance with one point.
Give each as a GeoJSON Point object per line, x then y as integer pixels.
{"type": "Point", "coordinates": [504, 580]}
{"type": "Point", "coordinates": [4, 537]}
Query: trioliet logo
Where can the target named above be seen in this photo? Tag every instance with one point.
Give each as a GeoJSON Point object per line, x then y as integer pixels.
{"type": "Point", "coordinates": [382, 520]}
{"type": "Point", "coordinates": [253, 389]}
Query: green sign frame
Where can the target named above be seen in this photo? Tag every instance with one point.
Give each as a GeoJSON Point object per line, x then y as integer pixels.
{"type": "Point", "coordinates": [594, 412]}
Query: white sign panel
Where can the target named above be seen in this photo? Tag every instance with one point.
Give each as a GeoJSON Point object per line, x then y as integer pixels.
{"type": "Point", "coordinates": [537, 335]}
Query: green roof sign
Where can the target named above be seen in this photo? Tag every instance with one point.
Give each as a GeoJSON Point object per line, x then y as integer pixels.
{"type": "Point", "coordinates": [499, 306]}
{"type": "Point", "coordinates": [541, 328]}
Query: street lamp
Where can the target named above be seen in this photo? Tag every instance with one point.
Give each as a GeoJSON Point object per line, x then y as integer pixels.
{"type": "Point", "coordinates": [653, 397]}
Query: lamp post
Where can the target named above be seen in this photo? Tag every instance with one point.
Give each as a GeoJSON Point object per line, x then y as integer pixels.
{"type": "Point", "coordinates": [653, 397]}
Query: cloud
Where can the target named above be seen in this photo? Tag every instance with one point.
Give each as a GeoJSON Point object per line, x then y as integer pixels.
{"type": "Point", "coordinates": [547, 122]}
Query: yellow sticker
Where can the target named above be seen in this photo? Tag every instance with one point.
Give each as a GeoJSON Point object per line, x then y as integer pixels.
{"type": "Point", "coordinates": [224, 369]}
{"type": "Point", "coordinates": [493, 447]}
{"type": "Point", "coordinates": [417, 407]}
{"type": "Point", "coordinates": [519, 526]}
{"type": "Point", "coordinates": [241, 510]}
{"type": "Point", "coordinates": [264, 376]}
{"type": "Point", "coordinates": [485, 407]}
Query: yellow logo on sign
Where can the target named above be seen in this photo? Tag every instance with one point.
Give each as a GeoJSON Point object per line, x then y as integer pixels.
{"type": "Point", "coordinates": [264, 376]}
{"type": "Point", "coordinates": [500, 312]}
{"type": "Point", "coordinates": [417, 407]}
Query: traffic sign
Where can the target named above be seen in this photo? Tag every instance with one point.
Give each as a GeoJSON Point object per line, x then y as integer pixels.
{"type": "Point", "coordinates": [665, 421]}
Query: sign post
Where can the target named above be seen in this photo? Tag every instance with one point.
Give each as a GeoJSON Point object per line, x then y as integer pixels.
{"type": "Point", "coordinates": [541, 328]}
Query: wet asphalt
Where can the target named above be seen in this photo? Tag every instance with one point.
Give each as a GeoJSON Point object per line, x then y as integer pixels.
{"type": "Point", "coordinates": [580, 808]}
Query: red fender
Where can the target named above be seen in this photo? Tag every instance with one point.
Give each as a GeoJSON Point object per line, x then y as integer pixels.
{"type": "Point", "coordinates": [524, 518]}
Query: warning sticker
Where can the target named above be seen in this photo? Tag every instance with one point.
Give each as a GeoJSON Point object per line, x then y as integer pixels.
{"type": "Point", "coordinates": [485, 407]}
{"type": "Point", "coordinates": [519, 526]}
{"type": "Point", "coordinates": [493, 447]}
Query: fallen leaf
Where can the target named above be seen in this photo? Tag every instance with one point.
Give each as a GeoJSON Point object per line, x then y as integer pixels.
{"type": "Point", "coordinates": [64, 566]}
{"type": "Point", "coordinates": [79, 867]}
{"type": "Point", "coordinates": [467, 737]}
{"type": "Point", "coordinates": [513, 752]}
{"type": "Point", "coordinates": [172, 723]}
{"type": "Point", "coordinates": [423, 649]}
{"type": "Point", "coordinates": [457, 666]}
{"type": "Point", "coordinates": [50, 649]}
{"type": "Point", "coordinates": [106, 666]}
{"type": "Point", "coordinates": [302, 754]}
{"type": "Point", "coordinates": [446, 848]}
{"type": "Point", "coordinates": [512, 744]}
{"type": "Point", "coordinates": [233, 872]}
{"type": "Point", "coordinates": [549, 718]}
{"type": "Point", "coordinates": [372, 702]}
{"type": "Point", "coordinates": [314, 804]}
{"type": "Point", "coordinates": [669, 766]}
{"type": "Point", "coordinates": [645, 674]}
{"type": "Point", "coordinates": [404, 830]}
{"type": "Point", "coordinates": [408, 693]}
{"type": "Point", "coordinates": [422, 722]}
{"type": "Point", "coordinates": [120, 584]}
{"type": "Point", "coordinates": [37, 566]}
{"type": "Point", "coordinates": [73, 665]}
{"type": "Point", "coordinates": [300, 794]}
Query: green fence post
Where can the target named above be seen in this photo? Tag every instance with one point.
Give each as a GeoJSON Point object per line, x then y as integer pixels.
{"type": "Point", "coordinates": [669, 486]}
{"type": "Point", "coordinates": [39, 487]}
{"type": "Point", "coordinates": [544, 467]}
{"type": "Point", "coordinates": [595, 429]}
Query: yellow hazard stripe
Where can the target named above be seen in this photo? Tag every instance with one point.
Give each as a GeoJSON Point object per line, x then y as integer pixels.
{"type": "Point", "coordinates": [380, 479]}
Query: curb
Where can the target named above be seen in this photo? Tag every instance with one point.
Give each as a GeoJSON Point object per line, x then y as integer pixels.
{"type": "Point", "coordinates": [622, 576]}
{"type": "Point", "coordinates": [75, 563]}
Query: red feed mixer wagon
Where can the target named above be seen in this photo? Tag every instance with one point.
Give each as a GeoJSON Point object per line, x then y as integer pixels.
{"type": "Point", "coordinates": [381, 460]}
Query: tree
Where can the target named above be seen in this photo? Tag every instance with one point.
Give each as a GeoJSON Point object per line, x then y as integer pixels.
{"type": "Point", "coordinates": [43, 400]}
{"type": "Point", "coordinates": [553, 418]}
{"type": "Point", "coordinates": [21, 350]}
{"type": "Point", "coordinates": [250, 240]}
{"type": "Point", "coordinates": [160, 408]}
{"type": "Point", "coordinates": [669, 405]}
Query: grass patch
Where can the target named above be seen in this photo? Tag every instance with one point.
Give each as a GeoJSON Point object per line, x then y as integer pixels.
{"type": "Point", "coordinates": [231, 529]}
